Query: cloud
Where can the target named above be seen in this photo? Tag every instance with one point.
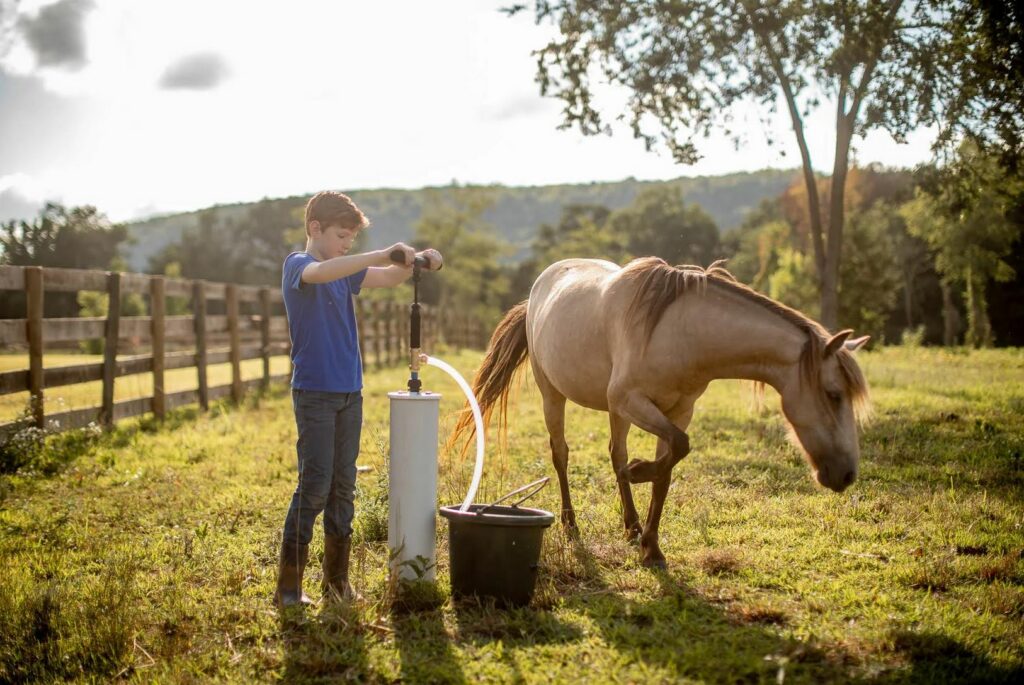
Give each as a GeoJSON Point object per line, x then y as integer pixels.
{"type": "Point", "coordinates": [21, 198]}
{"type": "Point", "coordinates": [524, 106]}
{"type": "Point", "coordinates": [201, 71]}
{"type": "Point", "coordinates": [56, 34]}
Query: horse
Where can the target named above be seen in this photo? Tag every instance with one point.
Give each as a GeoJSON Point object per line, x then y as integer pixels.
{"type": "Point", "coordinates": [642, 342]}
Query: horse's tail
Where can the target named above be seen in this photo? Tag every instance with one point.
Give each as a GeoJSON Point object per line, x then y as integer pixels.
{"type": "Point", "coordinates": [505, 354]}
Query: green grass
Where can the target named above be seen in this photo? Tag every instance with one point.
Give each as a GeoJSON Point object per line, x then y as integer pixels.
{"type": "Point", "coordinates": [82, 395]}
{"type": "Point", "coordinates": [150, 555]}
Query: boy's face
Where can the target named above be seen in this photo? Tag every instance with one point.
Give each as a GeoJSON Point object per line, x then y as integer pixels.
{"type": "Point", "coordinates": [332, 241]}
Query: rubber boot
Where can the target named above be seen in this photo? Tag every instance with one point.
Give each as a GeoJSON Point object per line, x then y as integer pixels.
{"type": "Point", "coordinates": [289, 576]}
{"type": "Point", "coordinates": [336, 555]}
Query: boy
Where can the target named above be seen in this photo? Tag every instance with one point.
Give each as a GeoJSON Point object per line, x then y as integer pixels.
{"type": "Point", "coordinates": [318, 287]}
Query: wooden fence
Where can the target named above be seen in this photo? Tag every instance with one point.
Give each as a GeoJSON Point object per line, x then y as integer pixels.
{"type": "Point", "coordinates": [253, 326]}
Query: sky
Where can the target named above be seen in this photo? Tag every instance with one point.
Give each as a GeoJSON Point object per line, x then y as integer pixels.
{"type": "Point", "coordinates": [142, 107]}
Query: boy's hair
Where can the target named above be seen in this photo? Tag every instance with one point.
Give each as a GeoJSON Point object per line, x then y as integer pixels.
{"type": "Point", "coordinates": [330, 208]}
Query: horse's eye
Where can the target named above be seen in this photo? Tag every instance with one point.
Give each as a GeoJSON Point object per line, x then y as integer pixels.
{"type": "Point", "coordinates": [834, 397]}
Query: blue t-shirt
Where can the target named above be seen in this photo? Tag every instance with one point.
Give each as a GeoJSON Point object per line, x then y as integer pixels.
{"type": "Point", "coordinates": [322, 324]}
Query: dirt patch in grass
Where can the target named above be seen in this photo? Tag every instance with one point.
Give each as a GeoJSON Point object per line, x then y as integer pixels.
{"type": "Point", "coordinates": [720, 562]}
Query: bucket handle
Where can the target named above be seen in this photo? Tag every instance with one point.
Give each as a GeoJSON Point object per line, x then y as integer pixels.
{"type": "Point", "coordinates": [537, 486]}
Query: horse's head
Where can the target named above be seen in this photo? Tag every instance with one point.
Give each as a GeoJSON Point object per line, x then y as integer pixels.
{"type": "Point", "coordinates": [823, 402]}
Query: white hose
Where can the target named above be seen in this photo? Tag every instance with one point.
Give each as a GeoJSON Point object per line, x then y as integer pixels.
{"type": "Point", "coordinates": [478, 419]}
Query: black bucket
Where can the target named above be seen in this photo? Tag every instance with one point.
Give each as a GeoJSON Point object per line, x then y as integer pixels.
{"type": "Point", "coordinates": [495, 551]}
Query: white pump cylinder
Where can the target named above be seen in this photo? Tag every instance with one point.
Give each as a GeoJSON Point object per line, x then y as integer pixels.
{"type": "Point", "coordinates": [412, 477]}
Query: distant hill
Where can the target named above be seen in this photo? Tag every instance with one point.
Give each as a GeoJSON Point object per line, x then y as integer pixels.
{"type": "Point", "coordinates": [517, 213]}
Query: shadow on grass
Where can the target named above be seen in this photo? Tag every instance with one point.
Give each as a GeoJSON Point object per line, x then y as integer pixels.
{"type": "Point", "coordinates": [995, 455]}
{"type": "Point", "coordinates": [325, 648]}
{"type": "Point", "coordinates": [938, 658]}
{"type": "Point", "coordinates": [480, 622]}
{"type": "Point", "coordinates": [424, 646]}
{"type": "Point", "coordinates": [679, 630]}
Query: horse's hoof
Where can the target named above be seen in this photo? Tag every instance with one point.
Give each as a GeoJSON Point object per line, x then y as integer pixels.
{"type": "Point", "coordinates": [655, 563]}
{"type": "Point", "coordinates": [633, 535]}
{"type": "Point", "coordinates": [641, 471]}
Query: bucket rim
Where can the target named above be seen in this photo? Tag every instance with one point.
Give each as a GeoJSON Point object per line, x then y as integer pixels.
{"type": "Point", "coordinates": [499, 515]}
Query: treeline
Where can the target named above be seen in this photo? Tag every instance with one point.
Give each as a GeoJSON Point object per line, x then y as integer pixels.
{"type": "Point", "coordinates": [515, 212]}
{"type": "Point", "coordinates": [932, 256]}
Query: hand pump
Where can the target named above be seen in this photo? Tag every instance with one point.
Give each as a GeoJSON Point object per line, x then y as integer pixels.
{"type": "Point", "coordinates": [412, 466]}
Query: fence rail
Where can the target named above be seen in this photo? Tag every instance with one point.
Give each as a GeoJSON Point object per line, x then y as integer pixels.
{"type": "Point", "coordinates": [259, 332]}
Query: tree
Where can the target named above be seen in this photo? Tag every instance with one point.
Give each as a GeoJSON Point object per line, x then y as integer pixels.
{"type": "Point", "coordinates": [472, 280]}
{"type": "Point", "coordinates": [750, 247]}
{"type": "Point", "coordinates": [870, 275]}
{"type": "Point", "coordinates": [205, 251]}
{"type": "Point", "coordinates": [581, 231]}
{"type": "Point", "coordinates": [890, 64]}
{"type": "Point", "coordinates": [259, 243]}
{"type": "Point", "coordinates": [659, 223]}
{"type": "Point", "coordinates": [245, 249]}
{"type": "Point", "coordinates": [970, 214]}
{"type": "Point", "coordinates": [75, 238]}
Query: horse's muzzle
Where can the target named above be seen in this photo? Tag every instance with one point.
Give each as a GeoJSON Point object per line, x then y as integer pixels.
{"type": "Point", "coordinates": [836, 480]}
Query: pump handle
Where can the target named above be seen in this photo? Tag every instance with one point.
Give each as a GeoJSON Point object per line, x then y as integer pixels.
{"type": "Point", "coordinates": [398, 257]}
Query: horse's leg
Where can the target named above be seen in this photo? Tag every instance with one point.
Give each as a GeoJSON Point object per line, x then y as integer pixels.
{"type": "Point", "coordinates": [617, 450]}
{"type": "Point", "coordinates": [554, 418]}
{"type": "Point", "coordinates": [642, 412]}
{"type": "Point", "coordinates": [651, 555]}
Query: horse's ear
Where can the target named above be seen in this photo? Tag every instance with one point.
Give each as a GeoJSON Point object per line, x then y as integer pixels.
{"type": "Point", "coordinates": [836, 341]}
{"type": "Point", "coordinates": [856, 343]}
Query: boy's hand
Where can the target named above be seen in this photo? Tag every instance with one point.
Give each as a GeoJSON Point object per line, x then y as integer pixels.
{"type": "Point", "coordinates": [408, 253]}
{"type": "Point", "coordinates": [434, 259]}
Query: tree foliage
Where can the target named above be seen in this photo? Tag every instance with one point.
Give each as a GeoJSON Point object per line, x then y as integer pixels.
{"type": "Point", "coordinates": [60, 237]}
{"type": "Point", "coordinates": [248, 250]}
{"type": "Point", "coordinates": [890, 64]}
{"type": "Point", "coordinates": [472, 280]}
{"type": "Point", "coordinates": [970, 215]}
{"type": "Point", "coordinates": [661, 224]}
{"type": "Point", "coordinates": [72, 238]}
{"type": "Point", "coordinates": [772, 252]}
{"type": "Point", "coordinates": [582, 231]}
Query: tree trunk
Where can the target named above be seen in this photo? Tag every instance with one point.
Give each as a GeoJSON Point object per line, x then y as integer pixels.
{"type": "Point", "coordinates": [979, 330]}
{"type": "Point", "coordinates": [950, 318]}
{"type": "Point", "coordinates": [834, 244]}
{"type": "Point", "coordinates": [908, 294]}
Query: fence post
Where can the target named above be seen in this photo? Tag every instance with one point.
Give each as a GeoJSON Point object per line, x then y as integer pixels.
{"type": "Point", "coordinates": [34, 331]}
{"type": "Point", "coordinates": [199, 321]}
{"type": "Point", "coordinates": [110, 347]}
{"type": "Point", "coordinates": [156, 312]}
{"type": "Point", "coordinates": [265, 334]}
{"type": "Point", "coordinates": [231, 295]}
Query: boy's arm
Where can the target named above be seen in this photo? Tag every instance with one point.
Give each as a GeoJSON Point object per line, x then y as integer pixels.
{"type": "Point", "coordinates": [346, 265]}
{"type": "Point", "coordinates": [386, 276]}
{"type": "Point", "coordinates": [390, 276]}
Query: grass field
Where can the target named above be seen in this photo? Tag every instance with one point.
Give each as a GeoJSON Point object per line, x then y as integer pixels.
{"type": "Point", "coordinates": [82, 395]}
{"type": "Point", "coordinates": [149, 553]}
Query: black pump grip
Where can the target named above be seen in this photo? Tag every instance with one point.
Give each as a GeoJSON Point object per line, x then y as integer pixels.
{"type": "Point", "coordinates": [398, 257]}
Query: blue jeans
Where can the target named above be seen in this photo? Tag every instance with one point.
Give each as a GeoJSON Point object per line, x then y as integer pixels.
{"type": "Point", "coordinates": [329, 424]}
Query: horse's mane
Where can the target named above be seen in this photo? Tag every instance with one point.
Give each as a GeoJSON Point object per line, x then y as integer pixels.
{"type": "Point", "coordinates": [659, 284]}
